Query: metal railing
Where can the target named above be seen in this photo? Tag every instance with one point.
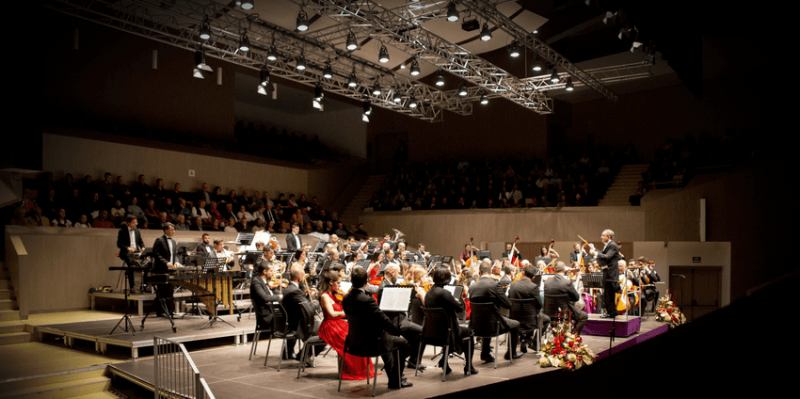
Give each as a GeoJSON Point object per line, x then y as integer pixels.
{"type": "Point", "coordinates": [176, 375]}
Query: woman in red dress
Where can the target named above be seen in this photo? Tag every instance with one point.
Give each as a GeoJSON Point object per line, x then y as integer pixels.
{"type": "Point", "coordinates": [334, 328]}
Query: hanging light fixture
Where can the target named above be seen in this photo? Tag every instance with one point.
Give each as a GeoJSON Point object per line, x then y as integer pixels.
{"type": "Point", "coordinates": [328, 73]}
{"type": "Point", "coordinates": [302, 21]}
{"type": "Point", "coordinates": [205, 30]}
{"type": "Point", "coordinates": [352, 44]}
{"type": "Point", "coordinates": [318, 93]}
{"type": "Point", "coordinates": [513, 50]}
{"type": "Point", "coordinates": [537, 66]}
{"type": "Point", "coordinates": [412, 103]}
{"type": "Point", "coordinates": [244, 43]}
{"type": "Point", "coordinates": [554, 77]}
{"type": "Point", "coordinates": [352, 81]}
{"type": "Point", "coordinates": [570, 86]}
{"type": "Point", "coordinates": [247, 4]}
{"type": "Point", "coordinates": [301, 63]}
{"type": "Point", "coordinates": [439, 78]}
{"type": "Point", "coordinates": [272, 53]}
{"type": "Point", "coordinates": [414, 67]}
{"type": "Point", "coordinates": [396, 98]}
{"type": "Point", "coordinates": [462, 89]}
{"type": "Point", "coordinates": [264, 76]}
{"type": "Point", "coordinates": [484, 99]}
{"type": "Point", "coordinates": [452, 12]}
{"type": "Point", "coordinates": [486, 34]}
{"type": "Point", "coordinates": [383, 54]}
{"type": "Point", "coordinates": [376, 89]}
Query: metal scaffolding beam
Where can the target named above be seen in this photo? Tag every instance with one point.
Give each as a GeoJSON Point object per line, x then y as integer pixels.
{"type": "Point", "coordinates": [488, 10]}
{"type": "Point", "coordinates": [403, 31]}
{"type": "Point", "coordinates": [178, 24]}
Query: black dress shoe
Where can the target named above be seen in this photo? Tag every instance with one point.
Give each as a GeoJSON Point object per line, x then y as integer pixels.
{"type": "Point", "coordinates": [487, 358]}
{"type": "Point", "coordinates": [516, 355]}
{"type": "Point", "coordinates": [403, 384]}
{"type": "Point", "coordinates": [523, 348]}
{"type": "Point", "coordinates": [606, 316]}
{"type": "Point", "coordinates": [470, 371]}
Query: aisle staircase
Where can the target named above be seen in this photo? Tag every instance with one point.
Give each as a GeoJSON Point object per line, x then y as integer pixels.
{"type": "Point", "coordinates": [351, 212]}
{"type": "Point", "coordinates": [8, 303]}
{"type": "Point", "coordinates": [624, 186]}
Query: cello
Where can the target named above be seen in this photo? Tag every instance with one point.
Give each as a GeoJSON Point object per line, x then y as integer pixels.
{"type": "Point", "coordinates": [472, 258]}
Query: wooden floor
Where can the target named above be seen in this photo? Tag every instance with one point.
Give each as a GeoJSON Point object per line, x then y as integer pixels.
{"type": "Point", "coordinates": [230, 375]}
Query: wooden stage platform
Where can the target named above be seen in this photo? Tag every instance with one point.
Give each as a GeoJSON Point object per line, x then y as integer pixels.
{"type": "Point", "coordinates": [230, 375]}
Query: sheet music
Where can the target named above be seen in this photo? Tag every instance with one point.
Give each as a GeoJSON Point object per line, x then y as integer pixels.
{"type": "Point", "coordinates": [396, 299]}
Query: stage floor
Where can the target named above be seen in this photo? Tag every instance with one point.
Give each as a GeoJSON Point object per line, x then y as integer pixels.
{"type": "Point", "coordinates": [230, 375]}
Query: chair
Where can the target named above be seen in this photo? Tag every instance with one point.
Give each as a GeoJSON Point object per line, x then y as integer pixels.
{"type": "Point", "coordinates": [485, 322]}
{"type": "Point", "coordinates": [553, 304]}
{"type": "Point", "coordinates": [526, 313]}
{"type": "Point", "coordinates": [257, 335]}
{"type": "Point", "coordinates": [280, 330]}
{"type": "Point", "coordinates": [436, 331]}
{"type": "Point", "coordinates": [305, 334]}
{"type": "Point", "coordinates": [366, 339]}
{"type": "Point", "coordinates": [416, 311]}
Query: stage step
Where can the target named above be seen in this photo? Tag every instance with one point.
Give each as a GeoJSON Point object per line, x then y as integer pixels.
{"type": "Point", "coordinates": [8, 304]}
{"type": "Point", "coordinates": [92, 381]}
{"type": "Point", "coordinates": [6, 294]}
{"type": "Point", "coordinates": [15, 338]}
{"type": "Point", "coordinates": [9, 315]}
{"type": "Point", "coordinates": [5, 284]}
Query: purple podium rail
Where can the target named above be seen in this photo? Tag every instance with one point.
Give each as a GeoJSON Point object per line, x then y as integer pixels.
{"type": "Point", "coordinates": [636, 340]}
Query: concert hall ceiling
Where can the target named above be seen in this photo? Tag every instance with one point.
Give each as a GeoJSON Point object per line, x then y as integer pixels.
{"type": "Point", "coordinates": [602, 48]}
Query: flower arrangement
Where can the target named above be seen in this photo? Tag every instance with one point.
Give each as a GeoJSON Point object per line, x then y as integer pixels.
{"type": "Point", "coordinates": [565, 349]}
{"type": "Point", "coordinates": [667, 312]}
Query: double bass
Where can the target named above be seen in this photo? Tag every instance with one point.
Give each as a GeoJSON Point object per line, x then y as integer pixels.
{"type": "Point", "coordinates": [472, 259]}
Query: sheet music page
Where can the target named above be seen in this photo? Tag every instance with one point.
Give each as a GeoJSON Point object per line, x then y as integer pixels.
{"type": "Point", "coordinates": [395, 299]}
{"type": "Point", "coordinates": [451, 289]}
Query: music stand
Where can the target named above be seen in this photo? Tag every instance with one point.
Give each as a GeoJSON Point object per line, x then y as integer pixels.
{"type": "Point", "coordinates": [245, 238]}
{"type": "Point", "coordinates": [126, 318]}
{"type": "Point", "coordinates": [485, 254]}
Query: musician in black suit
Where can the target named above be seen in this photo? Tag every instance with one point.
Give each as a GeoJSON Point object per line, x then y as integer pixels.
{"type": "Point", "coordinates": [205, 245]}
{"type": "Point", "coordinates": [649, 278]}
{"type": "Point", "coordinates": [293, 241]}
{"type": "Point", "coordinates": [358, 302]}
{"type": "Point", "coordinates": [408, 329]}
{"type": "Point", "coordinates": [262, 295]}
{"type": "Point", "coordinates": [438, 297]}
{"type": "Point", "coordinates": [165, 258]}
{"type": "Point", "coordinates": [293, 295]}
{"type": "Point", "coordinates": [559, 285]}
{"type": "Point", "coordinates": [129, 240]}
{"type": "Point", "coordinates": [508, 254]}
{"type": "Point", "coordinates": [487, 290]}
{"type": "Point", "coordinates": [608, 259]}
{"type": "Point", "coordinates": [525, 288]}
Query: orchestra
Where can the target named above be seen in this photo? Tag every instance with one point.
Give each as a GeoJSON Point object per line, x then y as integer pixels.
{"type": "Point", "coordinates": [391, 262]}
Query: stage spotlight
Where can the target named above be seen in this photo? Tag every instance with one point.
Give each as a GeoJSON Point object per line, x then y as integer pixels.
{"type": "Point", "coordinates": [376, 89]}
{"type": "Point", "coordinates": [247, 4]}
{"type": "Point", "coordinates": [272, 53]}
{"type": "Point", "coordinates": [513, 50]}
{"type": "Point", "coordinates": [486, 34]}
{"type": "Point", "coordinates": [414, 67]}
{"type": "Point", "coordinates": [367, 107]}
{"type": "Point", "coordinates": [554, 77]}
{"type": "Point", "coordinates": [462, 89]}
{"type": "Point", "coordinates": [244, 43]}
{"type": "Point", "coordinates": [484, 99]}
{"type": "Point", "coordinates": [302, 21]}
{"type": "Point", "coordinates": [570, 86]}
{"type": "Point", "coordinates": [452, 13]}
{"type": "Point", "coordinates": [352, 81]}
{"type": "Point", "coordinates": [318, 93]}
{"type": "Point", "coordinates": [383, 55]}
{"type": "Point", "coordinates": [264, 76]}
{"type": "Point", "coordinates": [397, 99]}
{"type": "Point", "coordinates": [537, 66]}
{"type": "Point", "coordinates": [439, 78]}
{"type": "Point", "coordinates": [328, 72]}
{"type": "Point", "coordinates": [301, 63]}
{"type": "Point", "coordinates": [352, 44]}
{"type": "Point", "coordinates": [205, 30]}
{"type": "Point", "coordinates": [412, 103]}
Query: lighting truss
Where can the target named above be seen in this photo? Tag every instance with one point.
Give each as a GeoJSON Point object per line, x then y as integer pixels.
{"type": "Point", "coordinates": [488, 10]}
{"type": "Point", "coordinates": [401, 28]}
{"type": "Point", "coordinates": [178, 23]}
{"type": "Point", "coordinates": [612, 74]}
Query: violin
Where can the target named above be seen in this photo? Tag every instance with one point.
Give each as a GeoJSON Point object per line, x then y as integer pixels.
{"type": "Point", "coordinates": [276, 282]}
